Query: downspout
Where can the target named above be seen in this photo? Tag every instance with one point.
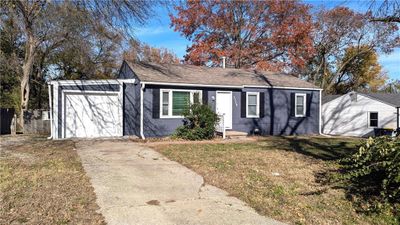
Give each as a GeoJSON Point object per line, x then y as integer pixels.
{"type": "Point", "coordinates": [320, 112]}
{"type": "Point", "coordinates": [49, 86]}
{"type": "Point", "coordinates": [142, 86]}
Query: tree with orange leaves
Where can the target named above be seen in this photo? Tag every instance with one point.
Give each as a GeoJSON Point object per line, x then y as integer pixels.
{"type": "Point", "coordinates": [269, 35]}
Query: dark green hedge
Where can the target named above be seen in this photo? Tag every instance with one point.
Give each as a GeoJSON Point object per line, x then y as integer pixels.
{"type": "Point", "coordinates": [199, 123]}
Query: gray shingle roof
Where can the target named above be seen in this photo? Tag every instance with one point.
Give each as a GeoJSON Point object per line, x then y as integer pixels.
{"type": "Point", "coordinates": [388, 98]}
{"type": "Point", "coordinates": [328, 98]}
{"type": "Point", "coordinates": [180, 73]}
{"type": "Point", "coordinates": [392, 99]}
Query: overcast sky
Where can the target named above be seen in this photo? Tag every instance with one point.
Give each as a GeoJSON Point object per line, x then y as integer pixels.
{"type": "Point", "coordinates": [158, 33]}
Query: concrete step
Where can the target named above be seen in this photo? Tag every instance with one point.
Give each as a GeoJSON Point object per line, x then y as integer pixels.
{"type": "Point", "coordinates": [231, 134]}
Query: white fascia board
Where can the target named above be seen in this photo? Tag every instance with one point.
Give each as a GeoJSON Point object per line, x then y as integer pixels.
{"type": "Point", "coordinates": [226, 86]}
{"type": "Point", "coordinates": [91, 82]}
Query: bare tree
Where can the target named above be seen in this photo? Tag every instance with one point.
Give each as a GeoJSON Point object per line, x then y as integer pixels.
{"type": "Point", "coordinates": [143, 52]}
{"type": "Point", "coordinates": [43, 31]}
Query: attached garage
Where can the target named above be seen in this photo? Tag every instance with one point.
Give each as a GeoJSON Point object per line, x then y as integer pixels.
{"type": "Point", "coordinates": [87, 109]}
{"type": "Point", "coordinates": [92, 115]}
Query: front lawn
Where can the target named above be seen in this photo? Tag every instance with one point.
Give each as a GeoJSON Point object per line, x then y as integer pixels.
{"type": "Point", "coordinates": [278, 176]}
{"type": "Point", "coordinates": [43, 182]}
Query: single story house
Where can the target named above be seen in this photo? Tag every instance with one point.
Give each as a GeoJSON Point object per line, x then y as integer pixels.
{"type": "Point", "coordinates": [147, 100]}
{"type": "Point", "coordinates": [360, 114]}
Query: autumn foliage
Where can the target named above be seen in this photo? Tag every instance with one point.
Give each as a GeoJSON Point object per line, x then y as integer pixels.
{"type": "Point", "coordinates": [270, 35]}
{"type": "Point", "coordinates": [346, 47]}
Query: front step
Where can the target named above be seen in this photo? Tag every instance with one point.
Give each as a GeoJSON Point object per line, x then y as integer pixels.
{"type": "Point", "coordinates": [231, 134]}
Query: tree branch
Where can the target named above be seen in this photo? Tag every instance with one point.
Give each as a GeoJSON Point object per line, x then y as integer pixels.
{"type": "Point", "coordinates": [388, 19]}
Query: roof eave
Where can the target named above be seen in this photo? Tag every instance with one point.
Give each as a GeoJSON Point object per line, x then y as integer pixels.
{"type": "Point", "coordinates": [226, 86]}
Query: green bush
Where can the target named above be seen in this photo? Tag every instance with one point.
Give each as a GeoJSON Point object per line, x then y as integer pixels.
{"type": "Point", "coordinates": [199, 123]}
{"type": "Point", "coordinates": [372, 175]}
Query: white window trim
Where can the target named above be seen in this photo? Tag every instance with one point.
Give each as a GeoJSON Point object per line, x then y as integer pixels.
{"type": "Point", "coordinates": [170, 100]}
{"type": "Point", "coordinates": [369, 119]}
{"type": "Point", "coordinates": [296, 114]}
{"type": "Point", "coordinates": [257, 106]}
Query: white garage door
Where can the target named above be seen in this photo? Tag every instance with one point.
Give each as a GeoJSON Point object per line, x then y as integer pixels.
{"type": "Point", "coordinates": [92, 115]}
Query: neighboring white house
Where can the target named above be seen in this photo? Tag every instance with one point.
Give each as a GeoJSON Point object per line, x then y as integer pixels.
{"type": "Point", "coordinates": [358, 114]}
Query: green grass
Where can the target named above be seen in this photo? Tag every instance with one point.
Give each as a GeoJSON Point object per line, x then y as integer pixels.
{"type": "Point", "coordinates": [278, 176]}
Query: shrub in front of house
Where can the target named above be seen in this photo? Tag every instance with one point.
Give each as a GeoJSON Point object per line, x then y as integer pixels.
{"type": "Point", "coordinates": [199, 123]}
{"type": "Point", "coordinates": [372, 175]}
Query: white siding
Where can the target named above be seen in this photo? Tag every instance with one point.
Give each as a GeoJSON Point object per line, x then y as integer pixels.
{"type": "Point", "coordinates": [350, 118]}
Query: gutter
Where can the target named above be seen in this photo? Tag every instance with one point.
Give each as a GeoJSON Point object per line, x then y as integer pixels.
{"type": "Point", "coordinates": [142, 86]}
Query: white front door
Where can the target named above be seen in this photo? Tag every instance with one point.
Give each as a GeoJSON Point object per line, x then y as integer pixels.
{"type": "Point", "coordinates": [223, 107]}
{"type": "Point", "coordinates": [92, 115]}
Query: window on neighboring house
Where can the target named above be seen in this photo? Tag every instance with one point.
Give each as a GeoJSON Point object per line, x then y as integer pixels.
{"type": "Point", "coordinates": [253, 101]}
{"type": "Point", "coordinates": [373, 119]}
{"type": "Point", "coordinates": [300, 105]}
{"type": "Point", "coordinates": [175, 102]}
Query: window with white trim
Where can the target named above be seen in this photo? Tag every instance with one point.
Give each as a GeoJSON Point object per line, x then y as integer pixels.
{"type": "Point", "coordinates": [300, 105]}
{"type": "Point", "coordinates": [174, 102]}
{"type": "Point", "coordinates": [253, 104]}
{"type": "Point", "coordinates": [373, 119]}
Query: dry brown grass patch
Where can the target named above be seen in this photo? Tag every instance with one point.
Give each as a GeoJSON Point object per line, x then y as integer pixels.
{"type": "Point", "coordinates": [278, 176]}
{"type": "Point", "coordinates": [43, 182]}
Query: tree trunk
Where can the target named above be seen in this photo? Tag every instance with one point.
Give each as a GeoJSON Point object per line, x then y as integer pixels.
{"type": "Point", "coordinates": [25, 80]}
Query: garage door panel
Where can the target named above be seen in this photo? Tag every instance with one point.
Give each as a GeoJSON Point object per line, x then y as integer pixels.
{"type": "Point", "coordinates": [93, 115]}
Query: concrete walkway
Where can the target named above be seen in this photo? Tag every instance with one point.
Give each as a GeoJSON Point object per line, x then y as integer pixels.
{"type": "Point", "coordinates": [137, 185]}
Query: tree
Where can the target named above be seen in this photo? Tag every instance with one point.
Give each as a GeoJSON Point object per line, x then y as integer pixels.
{"type": "Point", "coordinates": [87, 54]}
{"type": "Point", "coordinates": [387, 11]}
{"type": "Point", "coordinates": [10, 52]}
{"type": "Point", "coordinates": [339, 32]}
{"type": "Point", "coordinates": [43, 27]}
{"type": "Point", "coordinates": [144, 52]}
{"type": "Point", "coordinates": [392, 86]}
{"type": "Point", "coordinates": [364, 73]}
{"type": "Point", "coordinates": [269, 35]}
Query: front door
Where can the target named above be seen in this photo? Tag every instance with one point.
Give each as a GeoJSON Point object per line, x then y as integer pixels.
{"type": "Point", "coordinates": [224, 107]}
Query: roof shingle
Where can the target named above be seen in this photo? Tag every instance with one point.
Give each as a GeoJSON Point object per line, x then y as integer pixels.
{"type": "Point", "coordinates": [388, 98]}
{"type": "Point", "coordinates": [190, 74]}
{"type": "Point", "coordinates": [328, 98]}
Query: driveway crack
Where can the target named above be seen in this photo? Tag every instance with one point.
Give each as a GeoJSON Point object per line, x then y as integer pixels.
{"type": "Point", "coordinates": [203, 184]}
{"type": "Point", "coordinates": [139, 154]}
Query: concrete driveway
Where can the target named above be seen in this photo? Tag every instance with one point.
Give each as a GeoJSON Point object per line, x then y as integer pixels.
{"type": "Point", "coordinates": [137, 185]}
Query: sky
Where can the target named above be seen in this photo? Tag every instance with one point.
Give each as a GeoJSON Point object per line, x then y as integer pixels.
{"type": "Point", "coordinates": [158, 33]}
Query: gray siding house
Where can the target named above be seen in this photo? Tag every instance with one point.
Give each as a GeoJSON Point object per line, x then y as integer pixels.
{"type": "Point", "coordinates": [147, 100]}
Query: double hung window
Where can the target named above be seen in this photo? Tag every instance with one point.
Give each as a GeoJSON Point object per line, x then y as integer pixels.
{"type": "Point", "coordinates": [175, 102]}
